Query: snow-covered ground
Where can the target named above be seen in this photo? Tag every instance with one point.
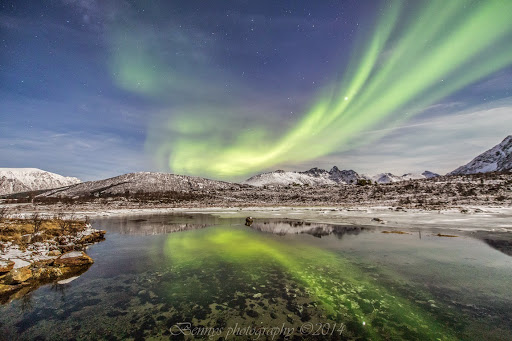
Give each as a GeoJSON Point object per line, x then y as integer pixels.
{"type": "Point", "coordinates": [471, 218]}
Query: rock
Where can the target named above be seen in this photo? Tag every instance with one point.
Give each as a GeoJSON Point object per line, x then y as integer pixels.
{"type": "Point", "coordinates": [50, 273]}
{"type": "Point", "coordinates": [94, 237]}
{"type": "Point", "coordinates": [252, 313]}
{"type": "Point", "coordinates": [17, 276]}
{"type": "Point", "coordinates": [6, 265]}
{"type": "Point", "coordinates": [67, 248]}
{"type": "Point", "coordinates": [42, 263]}
{"type": "Point", "coordinates": [248, 221]}
{"type": "Point", "coordinates": [73, 258]}
{"type": "Point", "coordinates": [376, 219]}
{"type": "Point", "coordinates": [54, 253]}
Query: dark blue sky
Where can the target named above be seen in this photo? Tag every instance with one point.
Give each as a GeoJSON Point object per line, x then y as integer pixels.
{"type": "Point", "coordinates": [82, 80]}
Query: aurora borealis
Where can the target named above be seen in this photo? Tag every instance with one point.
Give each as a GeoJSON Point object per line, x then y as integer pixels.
{"type": "Point", "coordinates": [445, 48]}
{"type": "Point", "coordinates": [229, 90]}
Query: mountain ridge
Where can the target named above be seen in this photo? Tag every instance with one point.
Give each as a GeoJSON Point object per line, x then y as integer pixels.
{"type": "Point", "coordinates": [320, 177]}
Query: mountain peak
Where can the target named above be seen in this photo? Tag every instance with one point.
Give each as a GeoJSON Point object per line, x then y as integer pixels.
{"type": "Point", "coordinates": [14, 180]}
{"type": "Point", "coordinates": [498, 158]}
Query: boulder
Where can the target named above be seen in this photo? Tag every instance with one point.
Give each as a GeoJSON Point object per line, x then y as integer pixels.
{"type": "Point", "coordinates": [48, 273]}
{"type": "Point", "coordinates": [16, 276]}
{"type": "Point", "coordinates": [6, 265]}
{"type": "Point", "coordinates": [73, 258]}
{"type": "Point", "coordinates": [94, 237]}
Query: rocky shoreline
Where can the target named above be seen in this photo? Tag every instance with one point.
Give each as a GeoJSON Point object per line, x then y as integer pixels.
{"type": "Point", "coordinates": [25, 267]}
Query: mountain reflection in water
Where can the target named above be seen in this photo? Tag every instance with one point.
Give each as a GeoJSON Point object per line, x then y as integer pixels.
{"type": "Point", "coordinates": [163, 224]}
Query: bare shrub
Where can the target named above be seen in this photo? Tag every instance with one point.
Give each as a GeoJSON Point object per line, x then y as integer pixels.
{"type": "Point", "coordinates": [37, 221]}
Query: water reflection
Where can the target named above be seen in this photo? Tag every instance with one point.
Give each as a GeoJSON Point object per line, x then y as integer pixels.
{"type": "Point", "coordinates": [344, 292]}
{"type": "Point", "coordinates": [163, 224]}
{"type": "Point", "coordinates": [315, 229]}
{"type": "Point", "coordinates": [157, 224]}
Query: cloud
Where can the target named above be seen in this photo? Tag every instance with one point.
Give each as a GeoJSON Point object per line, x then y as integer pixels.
{"type": "Point", "coordinates": [439, 144]}
{"type": "Point", "coordinates": [84, 155]}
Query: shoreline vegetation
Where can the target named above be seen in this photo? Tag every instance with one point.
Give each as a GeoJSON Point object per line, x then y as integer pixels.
{"type": "Point", "coordinates": [40, 249]}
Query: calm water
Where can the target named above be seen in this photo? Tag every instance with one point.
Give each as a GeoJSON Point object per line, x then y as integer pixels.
{"type": "Point", "coordinates": [174, 276]}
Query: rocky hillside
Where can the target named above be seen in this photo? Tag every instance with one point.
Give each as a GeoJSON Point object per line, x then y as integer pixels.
{"type": "Point", "coordinates": [143, 182]}
{"type": "Point", "coordinates": [498, 158]}
{"type": "Point", "coordinates": [15, 180]}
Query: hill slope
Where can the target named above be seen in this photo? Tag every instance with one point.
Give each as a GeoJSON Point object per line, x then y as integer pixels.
{"type": "Point", "coordinates": [142, 182]}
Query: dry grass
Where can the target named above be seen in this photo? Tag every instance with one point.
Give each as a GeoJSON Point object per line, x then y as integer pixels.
{"type": "Point", "coordinates": [13, 230]}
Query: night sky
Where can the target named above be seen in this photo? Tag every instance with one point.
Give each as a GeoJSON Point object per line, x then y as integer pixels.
{"type": "Point", "coordinates": [228, 89]}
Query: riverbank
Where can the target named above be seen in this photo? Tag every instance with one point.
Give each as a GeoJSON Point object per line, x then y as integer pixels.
{"type": "Point", "coordinates": [38, 249]}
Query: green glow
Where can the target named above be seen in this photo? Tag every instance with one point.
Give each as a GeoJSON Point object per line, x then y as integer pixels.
{"type": "Point", "coordinates": [341, 287]}
{"type": "Point", "coordinates": [410, 62]}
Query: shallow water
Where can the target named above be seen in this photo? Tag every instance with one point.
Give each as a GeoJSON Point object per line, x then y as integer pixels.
{"type": "Point", "coordinates": [161, 276]}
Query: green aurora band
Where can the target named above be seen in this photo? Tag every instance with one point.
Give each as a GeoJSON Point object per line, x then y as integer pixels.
{"type": "Point", "coordinates": [409, 63]}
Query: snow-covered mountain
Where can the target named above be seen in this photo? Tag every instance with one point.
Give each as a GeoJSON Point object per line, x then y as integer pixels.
{"type": "Point", "coordinates": [14, 180]}
{"type": "Point", "coordinates": [386, 178]}
{"type": "Point", "coordinates": [319, 177]}
{"type": "Point", "coordinates": [498, 158]}
{"type": "Point", "coordinates": [142, 182]}
{"type": "Point", "coordinates": [428, 174]}
{"type": "Point", "coordinates": [313, 177]}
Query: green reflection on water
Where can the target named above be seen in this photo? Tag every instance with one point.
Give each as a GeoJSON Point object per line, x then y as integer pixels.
{"type": "Point", "coordinates": [346, 293]}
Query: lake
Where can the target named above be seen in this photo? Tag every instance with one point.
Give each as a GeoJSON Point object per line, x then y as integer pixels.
{"type": "Point", "coordinates": [182, 276]}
